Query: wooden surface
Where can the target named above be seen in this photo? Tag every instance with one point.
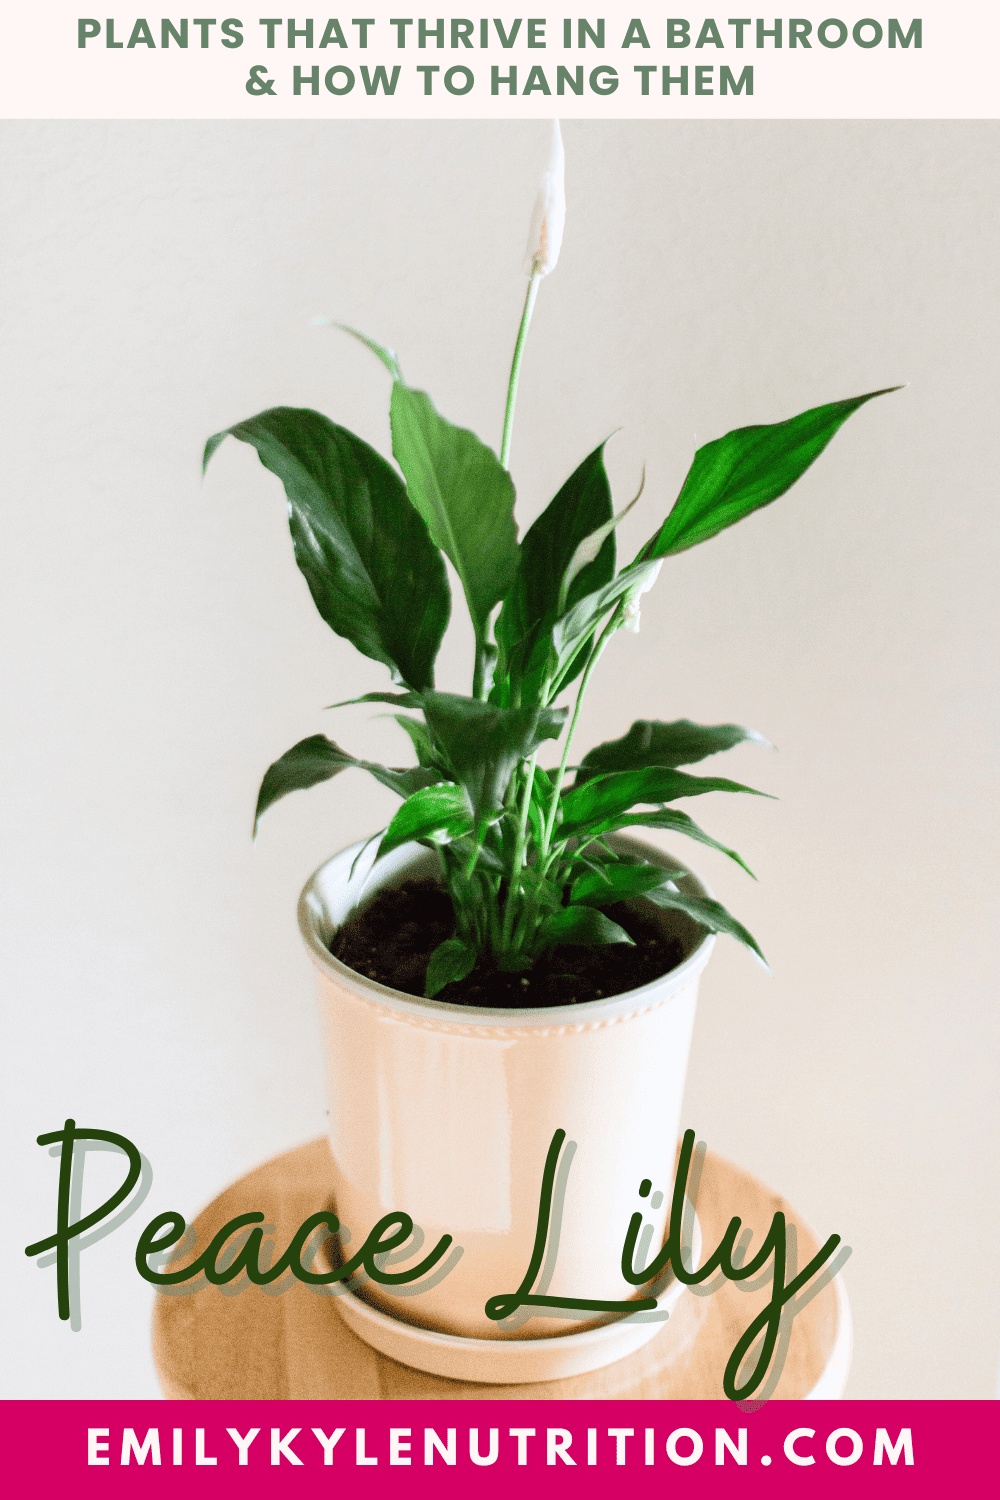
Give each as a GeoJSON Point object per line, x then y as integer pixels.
{"type": "Point", "coordinates": [288, 1342]}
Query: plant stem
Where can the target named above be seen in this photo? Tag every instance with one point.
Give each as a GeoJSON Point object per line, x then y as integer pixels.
{"type": "Point", "coordinates": [479, 671]}
{"type": "Point", "coordinates": [520, 842]}
{"type": "Point", "coordinates": [508, 429]}
{"type": "Point", "coordinates": [515, 369]}
{"type": "Point", "coordinates": [474, 856]}
{"type": "Point", "coordinates": [595, 656]}
{"type": "Point", "coordinates": [479, 675]}
{"type": "Point", "coordinates": [519, 845]}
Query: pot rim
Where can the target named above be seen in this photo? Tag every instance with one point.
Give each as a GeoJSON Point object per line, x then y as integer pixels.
{"type": "Point", "coordinates": [581, 1016]}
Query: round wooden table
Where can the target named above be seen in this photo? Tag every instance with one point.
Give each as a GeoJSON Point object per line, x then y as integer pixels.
{"type": "Point", "coordinates": [288, 1341]}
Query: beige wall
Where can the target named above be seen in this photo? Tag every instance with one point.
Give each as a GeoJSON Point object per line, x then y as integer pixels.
{"type": "Point", "coordinates": [162, 649]}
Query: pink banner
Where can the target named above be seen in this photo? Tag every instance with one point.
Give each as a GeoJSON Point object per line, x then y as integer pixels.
{"type": "Point", "coordinates": [263, 1448]}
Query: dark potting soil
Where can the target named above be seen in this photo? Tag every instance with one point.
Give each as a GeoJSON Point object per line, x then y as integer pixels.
{"type": "Point", "coordinates": [392, 940]}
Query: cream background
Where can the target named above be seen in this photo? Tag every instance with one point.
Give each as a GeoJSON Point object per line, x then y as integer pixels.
{"type": "Point", "coordinates": [161, 648]}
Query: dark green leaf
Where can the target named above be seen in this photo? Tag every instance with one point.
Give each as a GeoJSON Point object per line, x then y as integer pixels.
{"type": "Point", "coordinates": [582, 925]}
{"type": "Point", "coordinates": [709, 913]}
{"type": "Point", "coordinates": [403, 700]}
{"type": "Point", "coordinates": [317, 759]}
{"type": "Point", "coordinates": [372, 569]}
{"type": "Point", "coordinates": [590, 549]}
{"type": "Point", "coordinates": [590, 805]}
{"type": "Point", "coordinates": [485, 744]}
{"type": "Point", "coordinates": [440, 812]}
{"type": "Point", "coordinates": [524, 625]}
{"type": "Point", "coordinates": [746, 469]}
{"type": "Point", "coordinates": [463, 494]}
{"type": "Point", "coordinates": [419, 738]}
{"type": "Point", "coordinates": [650, 742]}
{"type": "Point", "coordinates": [463, 850]}
{"type": "Point", "coordinates": [616, 882]}
{"type": "Point", "coordinates": [581, 860]}
{"type": "Point", "coordinates": [673, 820]}
{"type": "Point", "coordinates": [450, 960]}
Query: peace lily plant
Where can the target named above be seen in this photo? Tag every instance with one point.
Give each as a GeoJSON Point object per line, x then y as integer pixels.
{"type": "Point", "coordinates": [523, 851]}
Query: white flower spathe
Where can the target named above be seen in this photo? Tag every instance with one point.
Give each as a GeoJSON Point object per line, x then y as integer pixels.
{"type": "Point", "coordinates": [630, 617]}
{"type": "Point", "coordinates": [549, 216]}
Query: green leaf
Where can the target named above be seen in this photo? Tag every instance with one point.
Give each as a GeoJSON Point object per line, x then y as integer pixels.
{"type": "Point", "coordinates": [591, 547]}
{"type": "Point", "coordinates": [673, 820]}
{"type": "Point", "coordinates": [746, 469]}
{"type": "Point", "coordinates": [404, 700]}
{"type": "Point", "coordinates": [514, 961]}
{"type": "Point", "coordinates": [488, 656]}
{"type": "Point", "coordinates": [650, 742]}
{"type": "Point", "coordinates": [524, 625]}
{"type": "Point", "coordinates": [387, 356]}
{"type": "Point", "coordinates": [419, 738]}
{"type": "Point", "coordinates": [317, 759]}
{"type": "Point", "coordinates": [616, 882]}
{"type": "Point", "coordinates": [708, 913]}
{"type": "Point", "coordinates": [588, 806]}
{"type": "Point", "coordinates": [540, 804]}
{"type": "Point", "coordinates": [450, 960]}
{"type": "Point", "coordinates": [485, 744]}
{"type": "Point", "coordinates": [440, 812]}
{"type": "Point", "coordinates": [466, 851]}
{"type": "Point", "coordinates": [582, 925]}
{"type": "Point", "coordinates": [363, 851]}
{"type": "Point", "coordinates": [466, 498]}
{"type": "Point", "coordinates": [574, 629]}
{"type": "Point", "coordinates": [372, 569]}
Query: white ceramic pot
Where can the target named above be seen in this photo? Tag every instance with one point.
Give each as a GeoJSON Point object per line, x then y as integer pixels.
{"type": "Point", "coordinates": [447, 1112]}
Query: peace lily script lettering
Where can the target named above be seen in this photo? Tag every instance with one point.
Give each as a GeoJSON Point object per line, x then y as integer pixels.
{"type": "Point", "coordinates": [392, 1231]}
